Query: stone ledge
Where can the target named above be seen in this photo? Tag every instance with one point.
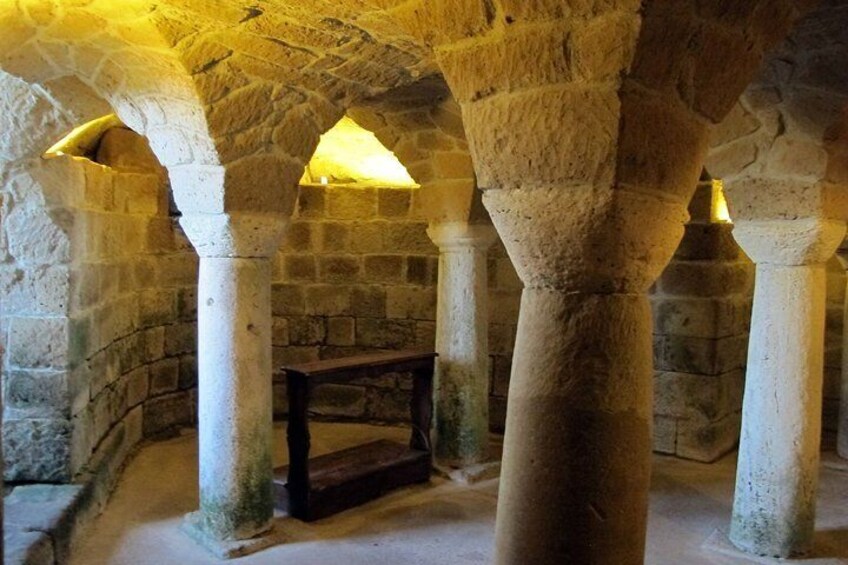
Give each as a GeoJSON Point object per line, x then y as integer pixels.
{"type": "Point", "coordinates": [39, 520]}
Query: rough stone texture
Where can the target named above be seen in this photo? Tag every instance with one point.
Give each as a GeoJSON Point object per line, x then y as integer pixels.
{"type": "Point", "coordinates": [462, 376]}
{"type": "Point", "coordinates": [73, 378]}
{"type": "Point", "coordinates": [46, 510]}
{"type": "Point", "coordinates": [589, 163]}
{"type": "Point", "coordinates": [599, 400]}
{"type": "Point", "coordinates": [781, 150]}
{"type": "Point", "coordinates": [369, 284]}
{"type": "Point", "coordinates": [386, 301]}
{"type": "Point", "coordinates": [591, 107]}
{"type": "Point", "coordinates": [235, 397]}
{"type": "Point", "coordinates": [777, 476]}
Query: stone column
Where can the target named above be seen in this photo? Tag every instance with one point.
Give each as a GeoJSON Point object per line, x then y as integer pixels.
{"type": "Point", "coordinates": [234, 364]}
{"type": "Point", "coordinates": [462, 341]}
{"type": "Point", "coordinates": [576, 464]}
{"type": "Point", "coordinates": [777, 474]}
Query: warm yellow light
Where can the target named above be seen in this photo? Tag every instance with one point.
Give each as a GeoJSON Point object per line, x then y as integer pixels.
{"type": "Point", "coordinates": [83, 140]}
{"type": "Point", "coordinates": [719, 212]}
{"type": "Point", "coordinates": [349, 154]}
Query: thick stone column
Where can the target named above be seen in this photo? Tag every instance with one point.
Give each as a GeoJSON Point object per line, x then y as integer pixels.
{"type": "Point", "coordinates": [234, 364]}
{"type": "Point", "coordinates": [576, 463]}
{"type": "Point", "coordinates": [777, 475]}
{"type": "Point", "coordinates": [462, 335]}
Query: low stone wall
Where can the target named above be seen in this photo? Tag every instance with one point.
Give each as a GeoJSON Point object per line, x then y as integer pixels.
{"type": "Point", "coordinates": [100, 317]}
{"type": "Point", "coordinates": [140, 325]}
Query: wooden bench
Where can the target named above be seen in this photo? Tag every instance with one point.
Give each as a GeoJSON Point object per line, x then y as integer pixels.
{"type": "Point", "coordinates": [310, 489]}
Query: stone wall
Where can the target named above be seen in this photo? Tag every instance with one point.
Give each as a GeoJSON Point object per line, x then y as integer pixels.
{"type": "Point", "coordinates": [702, 309]}
{"type": "Point", "coordinates": [35, 290]}
{"type": "Point", "coordinates": [101, 330]}
{"type": "Point", "coordinates": [358, 274]}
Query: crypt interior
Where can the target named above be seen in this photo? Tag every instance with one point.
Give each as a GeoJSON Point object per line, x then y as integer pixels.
{"type": "Point", "coordinates": [590, 252]}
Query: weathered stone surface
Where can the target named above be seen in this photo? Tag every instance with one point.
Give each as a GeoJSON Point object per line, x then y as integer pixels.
{"type": "Point", "coordinates": [36, 394]}
{"type": "Point", "coordinates": [164, 376]}
{"type": "Point", "coordinates": [27, 548]}
{"type": "Point", "coordinates": [37, 450]}
{"type": "Point", "coordinates": [165, 413]}
{"type": "Point", "coordinates": [46, 510]}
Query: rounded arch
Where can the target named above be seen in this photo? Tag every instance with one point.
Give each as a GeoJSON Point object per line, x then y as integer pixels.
{"type": "Point", "coordinates": [85, 64]}
{"type": "Point", "coordinates": [787, 136]}
{"type": "Point", "coordinates": [422, 124]}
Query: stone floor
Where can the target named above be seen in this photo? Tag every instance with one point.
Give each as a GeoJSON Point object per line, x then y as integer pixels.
{"type": "Point", "coordinates": [440, 523]}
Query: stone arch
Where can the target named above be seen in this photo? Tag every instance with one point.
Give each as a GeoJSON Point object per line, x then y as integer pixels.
{"type": "Point", "coordinates": [422, 124]}
{"type": "Point", "coordinates": [273, 81]}
{"type": "Point", "coordinates": [83, 60]}
{"type": "Point", "coordinates": [786, 139]}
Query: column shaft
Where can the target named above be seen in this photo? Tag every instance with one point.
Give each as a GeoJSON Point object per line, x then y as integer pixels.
{"type": "Point", "coordinates": [462, 377]}
{"type": "Point", "coordinates": [777, 474]}
{"type": "Point", "coordinates": [235, 412]}
{"type": "Point", "coordinates": [576, 464]}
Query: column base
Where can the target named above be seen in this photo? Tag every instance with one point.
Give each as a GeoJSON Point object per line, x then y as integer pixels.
{"type": "Point", "coordinates": [230, 549]}
{"type": "Point", "coordinates": [719, 542]}
{"type": "Point", "coordinates": [826, 549]}
{"type": "Point", "coordinates": [470, 474]}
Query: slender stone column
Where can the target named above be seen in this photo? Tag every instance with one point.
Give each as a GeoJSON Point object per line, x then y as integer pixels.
{"type": "Point", "coordinates": [462, 341]}
{"type": "Point", "coordinates": [777, 474]}
{"type": "Point", "coordinates": [576, 464]}
{"type": "Point", "coordinates": [234, 363]}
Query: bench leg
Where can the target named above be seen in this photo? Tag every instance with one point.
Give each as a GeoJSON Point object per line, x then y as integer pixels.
{"type": "Point", "coordinates": [421, 410]}
{"type": "Point", "coordinates": [299, 442]}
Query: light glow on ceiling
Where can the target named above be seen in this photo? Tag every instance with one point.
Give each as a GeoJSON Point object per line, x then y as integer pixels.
{"type": "Point", "coordinates": [350, 155]}
{"type": "Point", "coordinates": [719, 213]}
{"type": "Point", "coordinates": [82, 140]}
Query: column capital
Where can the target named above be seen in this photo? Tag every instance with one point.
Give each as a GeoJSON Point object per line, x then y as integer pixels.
{"type": "Point", "coordinates": [806, 241]}
{"type": "Point", "coordinates": [451, 236]}
{"type": "Point", "coordinates": [237, 234]}
{"type": "Point", "coordinates": [587, 239]}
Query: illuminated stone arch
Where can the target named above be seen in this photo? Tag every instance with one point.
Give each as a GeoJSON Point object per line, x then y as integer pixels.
{"type": "Point", "coordinates": [422, 125]}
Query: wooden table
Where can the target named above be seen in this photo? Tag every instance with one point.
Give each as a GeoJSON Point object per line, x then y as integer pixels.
{"type": "Point", "coordinates": [310, 489]}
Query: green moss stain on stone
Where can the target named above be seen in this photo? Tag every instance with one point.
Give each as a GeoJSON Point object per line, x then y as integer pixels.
{"type": "Point", "coordinates": [250, 509]}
